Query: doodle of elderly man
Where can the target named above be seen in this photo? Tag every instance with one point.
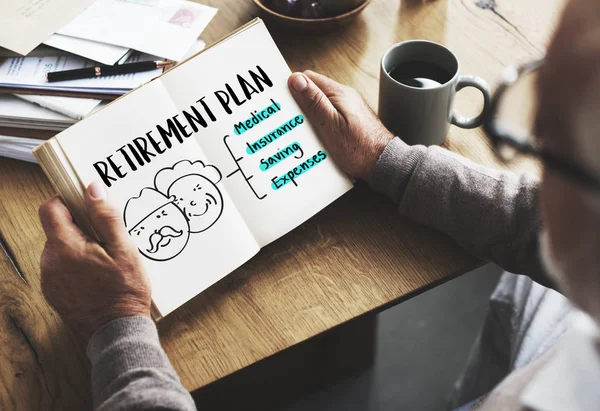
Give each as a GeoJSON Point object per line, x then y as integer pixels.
{"type": "Point", "coordinates": [156, 224]}
{"type": "Point", "coordinates": [193, 186]}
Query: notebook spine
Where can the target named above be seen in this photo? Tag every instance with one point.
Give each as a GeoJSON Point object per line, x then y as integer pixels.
{"type": "Point", "coordinates": [65, 182]}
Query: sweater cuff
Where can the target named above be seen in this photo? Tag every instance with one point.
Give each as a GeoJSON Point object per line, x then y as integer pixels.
{"type": "Point", "coordinates": [395, 167]}
{"type": "Point", "coordinates": [122, 345]}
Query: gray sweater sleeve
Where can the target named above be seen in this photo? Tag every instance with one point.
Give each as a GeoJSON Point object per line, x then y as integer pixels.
{"type": "Point", "coordinates": [492, 214]}
{"type": "Point", "coordinates": [130, 370]}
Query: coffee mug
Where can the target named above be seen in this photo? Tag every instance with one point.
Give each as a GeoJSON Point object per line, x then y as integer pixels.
{"type": "Point", "coordinates": [417, 85]}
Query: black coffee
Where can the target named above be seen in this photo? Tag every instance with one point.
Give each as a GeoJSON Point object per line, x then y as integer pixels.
{"type": "Point", "coordinates": [420, 74]}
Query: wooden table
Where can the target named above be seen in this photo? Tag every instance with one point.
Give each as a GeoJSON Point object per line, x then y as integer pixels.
{"type": "Point", "coordinates": [355, 257]}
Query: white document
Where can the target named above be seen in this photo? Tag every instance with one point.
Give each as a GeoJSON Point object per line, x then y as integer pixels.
{"type": "Point", "coordinates": [197, 47]}
{"type": "Point", "coordinates": [17, 113]}
{"type": "Point", "coordinates": [101, 52]}
{"type": "Point", "coordinates": [19, 148]}
{"type": "Point", "coordinates": [13, 107]}
{"type": "Point", "coordinates": [24, 24]}
{"type": "Point", "coordinates": [40, 51]}
{"type": "Point", "coordinates": [165, 28]}
{"type": "Point", "coordinates": [76, 108]}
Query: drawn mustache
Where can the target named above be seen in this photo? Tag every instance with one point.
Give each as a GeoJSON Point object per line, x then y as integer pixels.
{"type": "Point", "coordinates": [157, 237]}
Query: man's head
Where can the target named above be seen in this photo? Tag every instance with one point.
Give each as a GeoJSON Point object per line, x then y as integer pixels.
{"type": "Point", "coordinates": [569, 125]}
{"type": "Point", "coordinates": [156, 225]}
{"type": "Point", "coordinates": [193, 187]}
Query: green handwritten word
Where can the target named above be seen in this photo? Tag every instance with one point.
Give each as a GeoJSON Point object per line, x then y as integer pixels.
{"type": "Point", "coordinates": [275, 134]}
{"type": "Point", "coordinates": [278, 182]}
{"type": "Point", "coordinates": [282, 154]}
{"type": "Point", "coordinates": [257, 117]}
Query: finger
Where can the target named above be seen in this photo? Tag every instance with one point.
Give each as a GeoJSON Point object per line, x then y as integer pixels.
{"type": "Point", "coordinates": [104, 216]}
{"type": "Point", "coordinates": [311, 99]}
{"type": "Point", "coordinates": [57, 221]}
{"type": "Point", "coordinates": [344, 99]}
{"type": "Point", "coordinates": [330, 87]}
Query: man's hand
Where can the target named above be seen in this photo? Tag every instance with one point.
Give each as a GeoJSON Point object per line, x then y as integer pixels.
{"type": "Point", "coordinates": [349, 129]}
{"type": "Point", "coordinates": [90, 284]}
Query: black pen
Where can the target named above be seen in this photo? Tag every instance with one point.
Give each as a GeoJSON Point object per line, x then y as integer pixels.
{"type": "Point", "coordinates": [103, 70]}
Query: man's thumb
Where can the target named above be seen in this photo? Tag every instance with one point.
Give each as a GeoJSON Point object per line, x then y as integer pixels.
{"type": "Point", "coordinates": [311, 99]}
{"type": "Point", "coordinates": [104, 216]}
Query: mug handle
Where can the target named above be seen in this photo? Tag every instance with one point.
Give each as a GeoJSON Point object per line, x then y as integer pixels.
{"type": "Point", "coordinates": [481, 85]}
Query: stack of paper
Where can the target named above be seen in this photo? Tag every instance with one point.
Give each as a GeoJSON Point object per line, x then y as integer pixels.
{"type": "Point", "coordinates": [28, 74]}
{"type": "Point", "coordinates": [104, 30]}
{"type": "Point", "coordinates": [19, 148]}
{"type": "Point", "coordinates": [75, 108]}
{"type": "Point", "coordinates": [17, 113]}
{"type": "Point", "coordinates": [85, 33]}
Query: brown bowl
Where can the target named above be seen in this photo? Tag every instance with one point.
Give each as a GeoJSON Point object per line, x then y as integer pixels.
{"type": "Point", "coordinates": [325, 23]}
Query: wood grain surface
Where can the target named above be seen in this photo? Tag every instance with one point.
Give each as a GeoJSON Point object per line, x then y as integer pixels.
{"type": "Point", "coordinates": [355, 257]}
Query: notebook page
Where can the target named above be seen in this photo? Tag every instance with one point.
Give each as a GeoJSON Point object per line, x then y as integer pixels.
{"type": "Point", "coordinates": [173, 199]}
{"type": "Point", "coordinates": [276, 170]}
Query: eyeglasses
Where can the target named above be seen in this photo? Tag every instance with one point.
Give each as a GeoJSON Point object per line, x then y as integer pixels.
{"type": "Point", "coordinates": [511, 125]}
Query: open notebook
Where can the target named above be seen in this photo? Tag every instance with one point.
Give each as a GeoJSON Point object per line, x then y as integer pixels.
{"type": "Point", "coordinates": [208, 163]}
